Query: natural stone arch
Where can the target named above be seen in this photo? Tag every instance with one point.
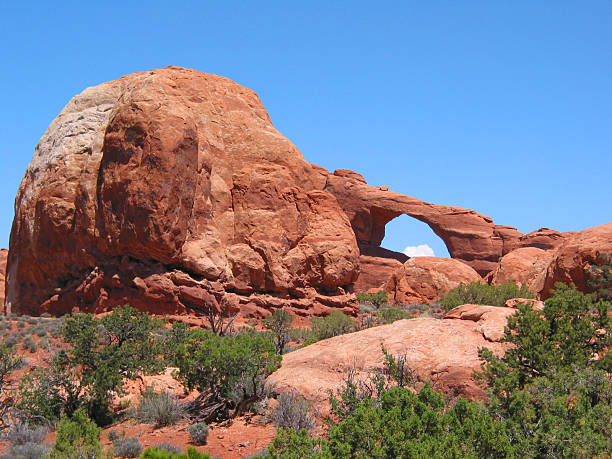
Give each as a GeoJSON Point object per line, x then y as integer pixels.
{"type": "Point", "coordinates": [469, 236]}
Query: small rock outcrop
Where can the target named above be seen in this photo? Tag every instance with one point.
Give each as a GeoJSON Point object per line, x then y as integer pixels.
{"type": "Point", "coordinates": [572, 259]}
{"type": "Point", "coordinates": [524, 266]}
{"type": "Point", "coordinates": [443, 351]}
{"type": "Point", "coordinates": [426, 279]}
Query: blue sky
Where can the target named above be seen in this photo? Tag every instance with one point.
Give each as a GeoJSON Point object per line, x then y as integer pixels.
{"type": "Point", "coordinates": [502, 107]}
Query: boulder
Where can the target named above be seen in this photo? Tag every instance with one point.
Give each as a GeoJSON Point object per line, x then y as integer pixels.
{"type": "Point", "coordinates": [524, 266]}
{"type": "Point", "coordinates": [168, 190]}
{"type": "Point", "coordinates": [442, 351]}
{"type": "Point", "coordinates": [575, 255]}
{"type": "Point", "coordinates": [426, 279]}
{"type": "Point", "coordinates": [376, 266]}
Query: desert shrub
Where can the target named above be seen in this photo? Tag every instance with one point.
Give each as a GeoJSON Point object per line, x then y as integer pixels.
{"type": "Point", "coordinates": [334, 324]}
{"type": "Point", "coordinates": [167, 447]}
{"type": "Point", "coordinates": [27, 451]}
{"type": "Point", "coordinates": [481, 293]}
{"type": "Point", "coordinates": [30, 320]}
{"type": "Point", "coordinates": [21, 433]}
{"type": "Point", "coordinates": [199, 433]}
{"type": "Point", "coordinates": [156, 453]}
{"type": "Point", "coordinates": [377, 299]}
{"type": "Point", "coordinates": [396, 366]}
{"type": "Point", "coordinates": [29, 344]}
{"type": "Point", "coordinates": [292, 412]}
{"type": "Point", "coordinates": [114, 435]}
{"type": "Point", "coordinates": [101, 354]}
{"type": "Point", "coordinates": [5, 326]}
{"type": "Point", "coordinates": [600, 277]}
{"type": "Point", "coordinates": [162, 409]}
{"type": "Point", "coordinates": [390, 315]}
{"type": "Point", "coordinates": [230, 369]}
{"type": "Point", "coordinates": [552, 386]}
{"type": "Point", "coordinates": [44, 342]}
{"type": "Point", "coordinates": [405, 424]}
{"type": "Point", "coordinates": [127, 447]}
{"type": "Point", "coordinates": [279, 323]}
{"type": "Point", "coordinates": [11, 340]}
{"type": "Point", "coordinates": [293, 445]}
{"type": "Point", "coordinates": [20, 324]}
{"type": "Point", "coordinates": [9, 362]}
{"type": "Point", "coordinates": [75, 436]}
{"type": "Point", "coordinates": [38, 330]}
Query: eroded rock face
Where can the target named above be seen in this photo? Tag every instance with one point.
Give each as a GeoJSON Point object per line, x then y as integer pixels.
{"type": "Point", "coordinates": [524, 266]}
{"type": "Point", "coordinates": [577, 253]}
{"type": "Point", "coordinates": [171, 190]}
{"type": "Point", "coordinates": [3, 258]}
{"type": "Point", "coordinates": [444, 351]}
{"type": "Point", "coordinates": [426, 279]}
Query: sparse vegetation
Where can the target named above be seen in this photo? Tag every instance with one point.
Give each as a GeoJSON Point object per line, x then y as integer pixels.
{"type": "Point", "coordinates": [334, 324]}
{"type": "Point", "coordinates": [101, 353]}
{"type": "Point", "coordinates": [378, 299]}
{"type": "Point", "coordinates": [162, 409]}
{"type": "Point", "coordinates": [482, 293]}
{"type": "Point", "coordinates": [199, 433]}
{"type": "Point", "coordinates": [127, 447]}
{"type": "Point", "coordinates": [279, 323]}
{"type": "Point", "coordinates": [229, 371]}
{"type": "Point", "coordinates": [77, 437]}
{"type": "Point", "coordinates": [292, 412]}
{"type": "Point", "coordinates": [600, 277]}
{"type": "Point", "coordinates": [550, 397]}
{"type": "Point", "coordinates": [156, 453]}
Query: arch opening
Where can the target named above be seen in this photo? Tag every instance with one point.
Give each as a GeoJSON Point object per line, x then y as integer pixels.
{"type": "Point", "coordinates": [407, 235]}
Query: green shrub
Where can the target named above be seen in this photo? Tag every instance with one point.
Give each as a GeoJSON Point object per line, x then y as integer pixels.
{"type": "Point", "coordinates": [231, 369]}
{"type": "Point", "coordinates": [100, 355]}
{"type": "Point", "coordinates": [162, 409]}
{"type": "Point", "coordinates": [552, 386]}
{"type": "Point", "coordinates": [169, 448]}
{"type": "Point", "coordinates": [77, 436]}
{"type": "Point", "coordinates": [390, 315]}
{"type": "Point", "coordinates": [377, 299]}
{"type": "Point", "coordinates": [289, 444]}
{"type": "Point", "coordinates": [156, 453]}
{"type": "Point", "coordinates": [279, 323]}
{"type": "Point", "coordinates": [481, 293]}
{"type": "Point", "coordinates": [334, 324]}
{"type": "Point", "coordinates": [292, 412]}
{"type": "Point", "coordinates": [199, 433]}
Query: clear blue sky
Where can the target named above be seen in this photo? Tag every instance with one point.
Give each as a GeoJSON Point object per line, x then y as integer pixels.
{"type": "Point", "coordinates": [502, 107]}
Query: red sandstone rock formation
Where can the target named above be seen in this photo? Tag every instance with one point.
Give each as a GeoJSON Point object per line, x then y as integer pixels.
{"type": "Point", "coordinates": [441, 350]}
{"type": "Point", "coordinates": [172, 190]}
{"type": "Point", "coordinates": [524, 266]}
{"type": "Point", "coordinates": [3, 258]}
{"type": "Point", "coordinates": [469, 236]}
{"type": "Point", "coordinates": [426, 279]}
{"type": "Point", "coordinates": [576, 254]}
